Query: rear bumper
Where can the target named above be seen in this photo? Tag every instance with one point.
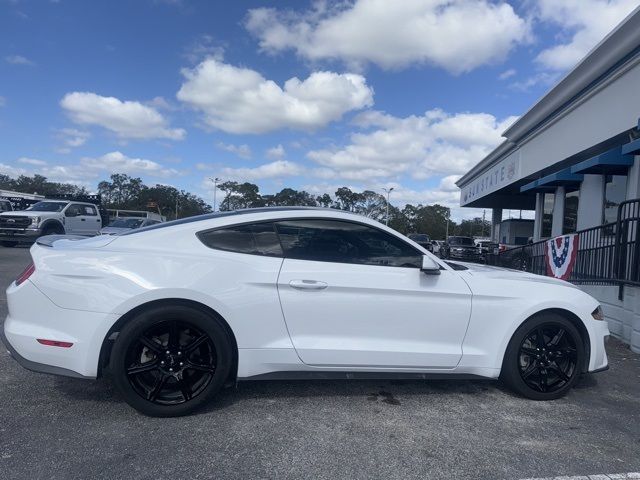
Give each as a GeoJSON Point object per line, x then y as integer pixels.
{"type": "Point", "coordinates": [35, 366]}
{"type": "Point", "coordinates": [33, 316]}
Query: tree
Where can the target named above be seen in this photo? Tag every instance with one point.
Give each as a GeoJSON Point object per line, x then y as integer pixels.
{"type": "Point", "coordinates": [346, 199]}
{"type": "Point", "coordinates": [240, 195]}
{"type": "Point", "coordinates": [371, 205]}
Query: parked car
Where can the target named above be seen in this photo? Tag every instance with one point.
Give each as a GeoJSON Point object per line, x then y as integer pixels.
{"type": "Point", "coordinates": [487, 247]}
{"type": "Point", "coordinates": [422, 239]}
{"type": "Point", "coordinates": [460, 248]}
{"type": "Point", "coordinates": [124, 224]}
{"type": "Point", "coordinates": [198, 303]}
{"type": "Point", "coordinates": [47, 218]}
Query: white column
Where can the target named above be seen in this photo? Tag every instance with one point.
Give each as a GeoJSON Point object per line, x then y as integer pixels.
{"type": "Point", "coordinates": [590, 204]}
{"type": "Point", "coordinates": [537, 223]}
{"type": "Point", "coordinates": [558, 212]}
{"type": "Point", "coordinates": [633, 180]}
{"type": "Point", "coordinates": [496, 218]}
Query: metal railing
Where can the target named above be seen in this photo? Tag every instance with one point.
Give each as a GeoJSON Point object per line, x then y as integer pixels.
{"type": "Point", "coordinates": [607, 255]}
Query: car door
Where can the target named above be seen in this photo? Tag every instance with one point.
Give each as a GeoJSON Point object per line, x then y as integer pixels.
{"type": "Point", "coordinates": [90, 222]}
{"type": "Point", "coordinates": [73, 219]}
{"type": "Point", "coordinates": [354, 295]}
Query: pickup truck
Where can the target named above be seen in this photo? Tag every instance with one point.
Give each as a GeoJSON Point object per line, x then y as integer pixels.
{"type": "Point", "coordinates": [47, 218]}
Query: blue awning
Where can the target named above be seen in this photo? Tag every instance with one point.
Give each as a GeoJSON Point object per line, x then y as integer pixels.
{"type": "Point", "coordinates": [611, 162]}
{"type": "Point", "coordinates": [632, 148]}
{"type": "Point", "coordinates": [548, 183]}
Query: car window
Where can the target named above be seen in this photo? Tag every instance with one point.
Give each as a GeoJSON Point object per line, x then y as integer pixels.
{"type": "Point", "coordinates": [254, 239]}
{"type": "Point", "coordinates": [344, 242]}
{"type": "Point", "coordinates": [47, 207]}
{"type": "Point", "coordinates": [88, 210]}
{"type": "Point", "coordinates": [75, 209]}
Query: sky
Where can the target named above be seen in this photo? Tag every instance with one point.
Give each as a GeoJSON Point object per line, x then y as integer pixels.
{"type": "Point", "coordinates": [311, 95]}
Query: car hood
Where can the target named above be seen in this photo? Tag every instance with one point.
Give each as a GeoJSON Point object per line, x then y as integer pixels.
{"type": "Point", "coordinates": [25, 213]}
{"type": "Point", "coordinates": [497, 273]}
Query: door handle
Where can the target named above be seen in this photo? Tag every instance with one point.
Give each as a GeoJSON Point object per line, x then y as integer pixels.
{"type": "Point", "coordinates": [308, 285]}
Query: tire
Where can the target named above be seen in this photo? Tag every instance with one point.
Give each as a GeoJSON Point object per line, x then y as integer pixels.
{"type": "Point", "coordinates": [547, 369]}
{"type": "Point", "coordinates": [161, 384]}
{"type": "Point", "coordinates": [55, 229]}
{"type": "Point", "coordinates": [8, 244]}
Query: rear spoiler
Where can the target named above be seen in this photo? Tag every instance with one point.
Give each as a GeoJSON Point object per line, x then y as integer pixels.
{"type": "Point", "coordinates": [47, 240]}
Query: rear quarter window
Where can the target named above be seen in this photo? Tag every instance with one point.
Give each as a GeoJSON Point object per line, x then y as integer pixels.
{"type": "Point", "coordinates": [253, 239]}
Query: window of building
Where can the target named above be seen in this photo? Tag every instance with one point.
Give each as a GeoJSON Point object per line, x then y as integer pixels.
{"type": "Point", "coordinates": [570, 221]}
{"type": "Point", "coordinates": [615, 192]}
{"type": "Point", "coordinates": [344, 242]}
{"type": "Point", "coordinates": [254, 239]}
{"type": "Point", "coordinates": [547, 215]}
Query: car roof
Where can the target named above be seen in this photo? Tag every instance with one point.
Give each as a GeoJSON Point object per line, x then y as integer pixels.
{"type": "Point", "coordinates": [244, 211]}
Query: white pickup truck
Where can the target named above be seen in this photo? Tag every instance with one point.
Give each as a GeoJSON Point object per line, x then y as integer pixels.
{"type": "Point", "coordinates": [47, 218]}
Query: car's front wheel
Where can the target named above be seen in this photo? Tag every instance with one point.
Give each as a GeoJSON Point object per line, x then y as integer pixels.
{"type": "Point", "coordinates": [544, 357]}
{"type": "Point", "coordinates": [171, 360]}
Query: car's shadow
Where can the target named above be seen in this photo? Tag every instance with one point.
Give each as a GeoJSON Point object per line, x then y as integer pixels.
{"type": "Point", "coordinates": [390, 392]}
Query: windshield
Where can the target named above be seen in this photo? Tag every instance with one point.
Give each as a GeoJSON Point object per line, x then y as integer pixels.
{"type": "Point", "coordinates": [127, 222]}
{"type": "Point", "coordinates": [47, 207]}
{"type": "Point", "coordinates": [466, 241]}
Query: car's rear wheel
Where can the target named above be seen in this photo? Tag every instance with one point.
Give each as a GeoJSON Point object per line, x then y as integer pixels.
{"type": "Point", "coordinates": [170, 361]}
{"type": "Point", "coordinates": [544, 358]}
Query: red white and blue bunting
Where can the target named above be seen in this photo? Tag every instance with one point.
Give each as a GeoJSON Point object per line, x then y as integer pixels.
{"type": "Point", "coordinates": [560, 256]}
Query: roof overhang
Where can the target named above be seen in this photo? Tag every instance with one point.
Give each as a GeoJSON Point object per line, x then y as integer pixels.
{"type": "Point", "coordinates": [561, 178]}
{"type": "Point", "coordinates": [611, 162]}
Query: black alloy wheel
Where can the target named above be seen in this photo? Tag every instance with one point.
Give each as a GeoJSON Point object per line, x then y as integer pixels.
{"type": "Point", "coordinates": [544, 358]}
{"type": "Point", "coordinates": [169, 361]}
{"type": "Point", "coordinates": [548, 357]}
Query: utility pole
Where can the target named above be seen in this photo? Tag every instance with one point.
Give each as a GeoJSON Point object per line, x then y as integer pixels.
{"type": "Point", "coordinates": [388, 192]}
{"type": "Point", "coordinates": [484, 219]}
{"type": "Point", "coordinates": [215, 181]}
{"type": "Point", "coordinates": [446, 237]}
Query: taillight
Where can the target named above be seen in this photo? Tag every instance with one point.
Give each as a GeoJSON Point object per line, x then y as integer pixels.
{"type": "Point", "coordinates": [26, 274]}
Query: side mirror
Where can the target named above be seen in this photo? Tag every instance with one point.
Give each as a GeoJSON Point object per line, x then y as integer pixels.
{"type": "Point", "coordinates": [429, 266]}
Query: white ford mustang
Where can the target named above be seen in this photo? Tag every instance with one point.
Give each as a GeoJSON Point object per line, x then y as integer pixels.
{"type": "Point", "coordinates": [178, 310]}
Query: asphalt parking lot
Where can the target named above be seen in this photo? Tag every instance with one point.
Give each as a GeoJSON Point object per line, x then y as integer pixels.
{"type": "Point", "coordinates": [53, 427]}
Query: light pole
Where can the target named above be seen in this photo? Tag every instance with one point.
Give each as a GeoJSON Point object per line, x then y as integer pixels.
{"type": "Point", "coordinates": [215, 181]}
{"type": "Point", "coordinates": [388, 192]}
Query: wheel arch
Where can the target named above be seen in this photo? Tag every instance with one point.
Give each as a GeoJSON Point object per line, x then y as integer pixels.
{"type": "Point", "coordinates": [576, 322]}
{"type": "Point", "coordinates": [51, 222]}
{"type": "Point", "coordinates": [108, 341]}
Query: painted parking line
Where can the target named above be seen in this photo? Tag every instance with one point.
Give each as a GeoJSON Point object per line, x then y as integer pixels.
{"type": "Point", "coordinates": [602, 476]}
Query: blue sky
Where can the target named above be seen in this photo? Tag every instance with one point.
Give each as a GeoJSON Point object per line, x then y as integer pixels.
{"type": "Point", "coordinates": [313, 95]}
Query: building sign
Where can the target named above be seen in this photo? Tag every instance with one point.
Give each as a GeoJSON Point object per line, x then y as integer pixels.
{"type": "Point", "coordinates": [560, 256]}
{"type": "Point", "coordinates": [500, 175]}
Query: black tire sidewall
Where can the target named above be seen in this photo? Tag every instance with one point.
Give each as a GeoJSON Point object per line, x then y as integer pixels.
{"type": "Point", "coordinates": [208, 323]}
{"type": "Point", "coordinates": [510, 373]}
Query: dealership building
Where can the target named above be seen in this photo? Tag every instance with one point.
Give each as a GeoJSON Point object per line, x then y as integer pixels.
{"type": "Point", "coordinates": [573, 159]}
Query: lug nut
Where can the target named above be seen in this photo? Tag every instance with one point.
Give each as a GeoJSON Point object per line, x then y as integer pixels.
{"type": "Point", "coordinates": [181, 364]}
{"type": "Point", "coordinates": [167, 352]}
{"type": "Point", "coordinates": [162, 362]}
{"type": "Point", "coordinates": [171, 369]}
{"type": "Point", "coordinates": [179, 353]}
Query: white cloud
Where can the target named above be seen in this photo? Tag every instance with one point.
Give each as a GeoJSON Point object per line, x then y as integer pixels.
{"type": "Point", "coordinates": [71, 138]}
{"type": "Point", "coordinates": [119, 162]}
{"type": "Point", "coordinates": [203, 47]}
{"type": "Point", "coordinates": [544, 79]}
{"type": "Point", "coordinates": [3, 101]}
{"type": "Point", "coordinates": [277, 169]}
{"type": "Point", "coordinates": [128, 119]}
{"type": "Point", "coordinates": [586, 22]}
{"type": "Point", "coordinates": [11, 170]}
{"type": "Point", "coordinates": [240, 100]}
{"type": "Point", "coordinates": [457, 35]}
{"type": "Point", "coordinates": [32, 161]}
{"type": "Point", "coordinates": [242, 151]}
{"type": "Point", "coordinates": [276, 153]}
{"type": "Point", "coordinates": [436, 143]}
{"type": "Point", "coordinates": [19, 60]}
{"type": "Point", "coordinates": [507, 74]}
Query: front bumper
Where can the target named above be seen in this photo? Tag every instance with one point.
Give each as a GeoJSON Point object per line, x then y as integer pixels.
{"type": "Point", "coordinates": [32, 316]}
{"type": "Point", "coordinates": [19, 234]}
{"type": "Point", "coordinates": [599, 332]}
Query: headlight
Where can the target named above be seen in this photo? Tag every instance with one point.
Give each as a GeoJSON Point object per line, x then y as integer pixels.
{"type": "Point", "coordinates": [35, 220]}
{"type": "Point", "coordinates": [598, 314]}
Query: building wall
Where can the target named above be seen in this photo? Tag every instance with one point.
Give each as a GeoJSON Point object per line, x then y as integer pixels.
{"type": "Point", "coordinates": [623, 316]}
